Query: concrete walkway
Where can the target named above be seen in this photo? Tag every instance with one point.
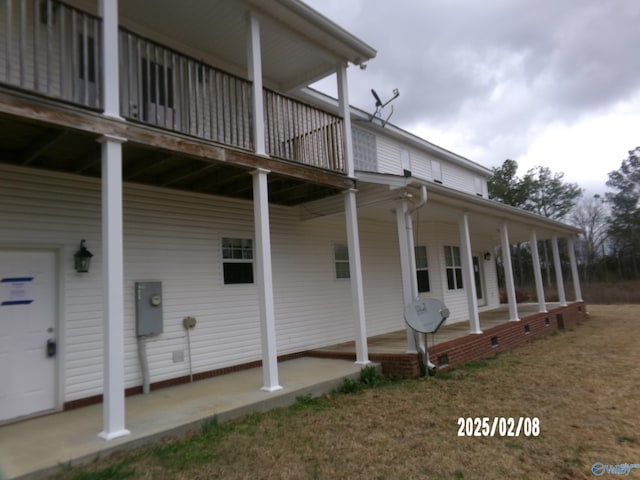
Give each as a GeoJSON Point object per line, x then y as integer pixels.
{"type": "Point", "coordinates": [36, 447]}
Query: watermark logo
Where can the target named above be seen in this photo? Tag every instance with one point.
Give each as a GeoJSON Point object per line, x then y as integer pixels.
{"type": "Point", "coordinates": [599, 469]}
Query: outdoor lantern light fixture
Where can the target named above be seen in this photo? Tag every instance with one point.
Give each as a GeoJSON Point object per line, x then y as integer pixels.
{"type": "Point", "coordinates": [83, 258]}
{"type": "Point", "coordinates": [487, 256]}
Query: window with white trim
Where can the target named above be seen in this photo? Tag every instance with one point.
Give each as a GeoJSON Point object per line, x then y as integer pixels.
{"type": "Point", "coordinates": [341, 257]}
{"type": "Point", "coordinates": [422, 269]}
{"type": "Point", "coordinates": [237, 260]}
{"type": "Point", "coordinates": [453, 266]}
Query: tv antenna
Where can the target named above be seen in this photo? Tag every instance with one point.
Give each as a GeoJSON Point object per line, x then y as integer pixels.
{"type": "Point", "coordinates": [380, 106]}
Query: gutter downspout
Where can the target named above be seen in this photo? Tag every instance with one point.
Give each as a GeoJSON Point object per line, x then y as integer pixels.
{"type": "Point", "coordinates": [423, 200]}
{"type": "Point", "coordinates": [420, 340]}
{"type": "Point", "coordinates": [410, 241]}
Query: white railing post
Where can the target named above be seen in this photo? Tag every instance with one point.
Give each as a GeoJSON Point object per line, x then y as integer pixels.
{"type": "Point", "coordinates": [110, 66]}
{"type": "Point", "coordinates": [254, 67]}
{"type": "Point", "coordinates": [343, 102]}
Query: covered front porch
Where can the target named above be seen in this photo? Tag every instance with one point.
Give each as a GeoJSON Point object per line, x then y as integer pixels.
{"type": "Point", "coordinates": [32, 447]}
{"type": "Point", "coordinates": [456, 344]}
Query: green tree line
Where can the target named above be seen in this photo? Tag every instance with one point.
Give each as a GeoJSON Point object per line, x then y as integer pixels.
{"type": "Point", "coordinates": [609, 247]}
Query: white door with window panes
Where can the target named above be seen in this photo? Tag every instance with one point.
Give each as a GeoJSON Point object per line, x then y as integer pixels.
{"type": "Point", "coordinates": [477, 276]}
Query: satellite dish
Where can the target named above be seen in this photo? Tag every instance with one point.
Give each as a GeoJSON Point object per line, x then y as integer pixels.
{"type": "Point", "coordinates": [426, 316]}
{"type": "Point", "coordinates": [375, 95]}
{"type": "Point", "coordinates": [380, 106]}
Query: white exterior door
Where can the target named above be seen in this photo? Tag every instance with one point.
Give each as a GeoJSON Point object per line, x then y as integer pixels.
{"type": "Point", "coordinates": [28, 310]}
{"type": "Point", "coordinates": [477, 273]}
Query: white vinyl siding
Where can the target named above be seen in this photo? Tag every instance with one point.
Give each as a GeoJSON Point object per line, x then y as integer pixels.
{"type": "Point", "coordinates": [175, 237]}
{"type": "Point", "coordinates": [394, 157]}
{"type": "Point", "coordinates": [388, 156]}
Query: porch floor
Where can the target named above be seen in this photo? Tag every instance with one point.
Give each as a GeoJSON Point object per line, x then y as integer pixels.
{"type": "Point", "coordinates": [396, 342]}
{"type": "Point", "coordinates": [33, 447]}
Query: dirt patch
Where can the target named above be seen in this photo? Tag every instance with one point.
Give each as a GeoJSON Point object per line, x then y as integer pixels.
{"type": "Point", "coordinates": [582, 385]}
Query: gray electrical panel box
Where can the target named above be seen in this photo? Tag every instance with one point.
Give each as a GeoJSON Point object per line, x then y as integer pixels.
{"type": "Point", "coordinates": [148, 308]}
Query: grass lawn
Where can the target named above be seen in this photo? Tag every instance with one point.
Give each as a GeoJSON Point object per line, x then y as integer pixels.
{"type": "Point", "coordinates": [582, 384]}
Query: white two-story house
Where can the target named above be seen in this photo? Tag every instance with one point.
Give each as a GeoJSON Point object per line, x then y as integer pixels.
{"type": "Point", "coordinates": [175, 203]}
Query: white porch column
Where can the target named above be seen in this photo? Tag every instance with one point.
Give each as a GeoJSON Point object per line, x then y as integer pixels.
{"type": "Point", "coordinates": [113, 416]}
{"type": "Point", "coordinates": [467, 274]}
{"type": "Point", "coordinates": [254, 67]}
{"type": "Point", "coordinates": [406, 270]}
{"type": "Point", "coordinates": [537, 272]}
{"type": "Point", "coordinates": [355, 268]}
{"type": "Point", "coordinates": [574, 270]}
{"type": "Point", "coordinates": [343, 105]}
{"type": "Point", "coordinates": [111, 68]}
{"type": "Point", "coordinates": [558, 268]}
{"type": "Point", "coordinates": [508, 273]}
{"type": "Point", "coordinates": [351, 216]}
{"type": "Point", "coordinates": [412, 254]}
{"type": "Point", "coordinates": [265, 281]}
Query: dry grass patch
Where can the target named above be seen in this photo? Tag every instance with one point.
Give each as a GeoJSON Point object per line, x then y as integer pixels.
{"type": "Point", "coordinates": [581, 384]}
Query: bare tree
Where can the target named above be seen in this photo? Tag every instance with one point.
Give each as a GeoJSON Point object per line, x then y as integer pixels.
{"type": "Point", "coordinates": [590, 215]}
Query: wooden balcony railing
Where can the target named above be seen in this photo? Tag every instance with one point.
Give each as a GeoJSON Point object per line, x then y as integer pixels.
{"type": "Point", "coordinates": [302, 133]}
{"type": "Point", "coordinates": [170, 90]}
{"type": "Point", "coordinates": [52, 49]}
{"type": "Point", "coordinates": [55, 50]}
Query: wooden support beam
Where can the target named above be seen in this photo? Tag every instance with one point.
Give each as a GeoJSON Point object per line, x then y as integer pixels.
{"type": "Point", "coordinates": [183, 174]}
{"type": "Point", "coordinates": [29, 108]}
{"type": "Point", "coordinates": [147, 166]}
{"type": "Point", "coordinates": [42, 144]}
{"type": "Point", "coordinates": [90, 161]}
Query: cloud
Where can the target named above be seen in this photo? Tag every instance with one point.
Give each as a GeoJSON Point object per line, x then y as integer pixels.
{"type": "Point", "coordinates": [498, 76]}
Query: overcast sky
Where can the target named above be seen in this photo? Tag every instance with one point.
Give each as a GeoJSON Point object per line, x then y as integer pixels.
{"type": "Point", "coordinates": [544, 82]}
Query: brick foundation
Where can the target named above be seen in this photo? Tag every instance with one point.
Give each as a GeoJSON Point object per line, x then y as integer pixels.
{"type": "Point", "coordinates": [506, 336]}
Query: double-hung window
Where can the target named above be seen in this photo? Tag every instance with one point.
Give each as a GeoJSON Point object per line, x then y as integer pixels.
{"type": "Point", "coordinates": [453, 266]}
{"type": "Point", "coordinates": [237, 260]}
{"type": "Point", "coordinates": [422, 269]}
{"type": "Point", "coordinates": [341, 257]}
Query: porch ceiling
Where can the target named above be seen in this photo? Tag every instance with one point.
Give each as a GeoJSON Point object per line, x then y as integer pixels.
{"type": "Point", "coordinates": [445, 206]}
{"type": "Point", "coordinates": [298, 45]}
{"type": "Point", "coordinates": [43, 146]}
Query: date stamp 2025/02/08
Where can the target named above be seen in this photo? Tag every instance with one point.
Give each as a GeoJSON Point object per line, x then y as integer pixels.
{"type": "Point", "coordinates": [498, 426]}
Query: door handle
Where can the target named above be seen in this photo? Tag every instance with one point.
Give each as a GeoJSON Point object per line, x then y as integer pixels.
{"type": "Point", "coordinates": [51, 348]}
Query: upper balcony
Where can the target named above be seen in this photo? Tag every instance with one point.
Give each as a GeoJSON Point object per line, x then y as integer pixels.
{"type": "Point", "coordinates": [191, 77]}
